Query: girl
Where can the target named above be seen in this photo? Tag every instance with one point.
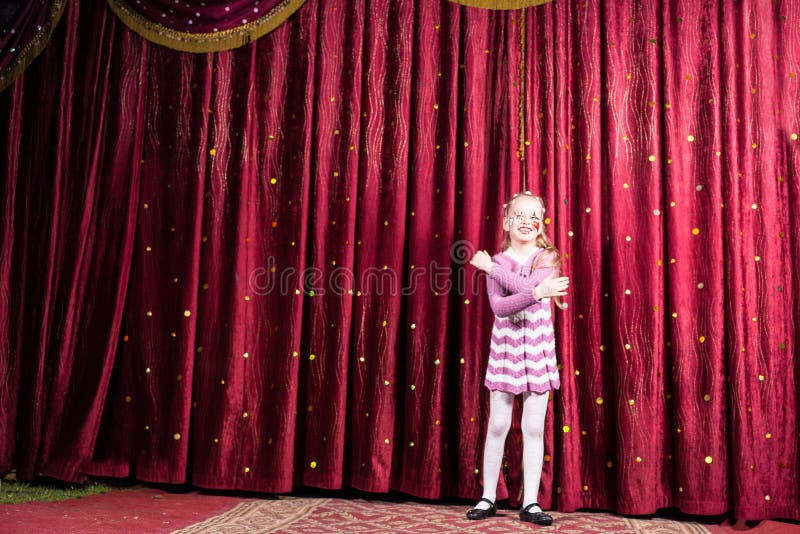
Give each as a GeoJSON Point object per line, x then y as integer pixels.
{"type": "Point", "coordinates": [522, 357]}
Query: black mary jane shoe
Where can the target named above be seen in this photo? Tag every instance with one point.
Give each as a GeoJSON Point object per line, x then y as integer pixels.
{"type": "Point", "coordinates": [480, 513]}
{"type": "Point", "coordinates": [537, 518]}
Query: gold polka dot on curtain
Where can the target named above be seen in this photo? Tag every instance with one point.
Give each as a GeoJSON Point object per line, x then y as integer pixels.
{"type": "Point", "coordinates": [501, 4]}
{"type": "Point", "coordinates": [203, 29]}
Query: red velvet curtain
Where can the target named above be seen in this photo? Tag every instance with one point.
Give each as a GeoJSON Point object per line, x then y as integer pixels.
{"type": "Point", "coordinates": [70, 201]}
{"type": "Point", "coordinates": [246, 269]}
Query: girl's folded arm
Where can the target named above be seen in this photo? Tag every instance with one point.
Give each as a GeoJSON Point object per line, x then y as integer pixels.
{"type": "Point", "coordinates": [505, 305]}
{"type": "Point", "coordinates": [516, 282]}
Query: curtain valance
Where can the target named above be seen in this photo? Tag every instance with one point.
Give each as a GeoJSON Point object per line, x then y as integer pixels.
{"type": "Point", "coordinates": [501, 4]}
{"type": "Point", "coordinates": [25, 29]}
{"type": "Point", "coordinates": [207, 26]}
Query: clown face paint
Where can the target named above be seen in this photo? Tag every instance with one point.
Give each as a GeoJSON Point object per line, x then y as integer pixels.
{"type": "Point", "coordinates": [524, 219]}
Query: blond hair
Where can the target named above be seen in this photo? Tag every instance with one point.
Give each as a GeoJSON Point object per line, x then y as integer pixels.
{"type": "Point", "coordinates": [550, 253]}
{"type": "Point", "coordinates": [542, 240]}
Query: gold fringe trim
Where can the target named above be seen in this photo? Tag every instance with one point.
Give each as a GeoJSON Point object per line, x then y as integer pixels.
{"type": "Point", "coordinates": [501, 4]}
{"type": "Point", "coordinates": [204, 42]}
{"type": "Point", "coordinates": [32, 50]}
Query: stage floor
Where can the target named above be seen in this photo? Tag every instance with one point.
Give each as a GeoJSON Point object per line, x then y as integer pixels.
{"type": "Point", "coordinates": [150, 510]}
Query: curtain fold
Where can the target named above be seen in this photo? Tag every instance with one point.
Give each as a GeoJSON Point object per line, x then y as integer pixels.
{"type": "Point", "coordinates": [73, 190]}
{"type": "Point", "coordinates": [246, 269]}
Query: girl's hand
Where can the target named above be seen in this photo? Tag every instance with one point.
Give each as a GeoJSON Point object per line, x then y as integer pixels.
{"type": "Point", "coordinates": [551, 287]}
{"type": "Point", "coordinates": [482, 260]}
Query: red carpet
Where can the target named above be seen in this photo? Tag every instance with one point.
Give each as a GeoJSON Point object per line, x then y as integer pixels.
{"type": "Point", "coordinates": [336, 516]}
{"type": "Point", "coordinates": [149, 510]}
{"type": "Point", "coordinates": [129, 510]}
{"type": "Point", "coordinates": [763, 527]}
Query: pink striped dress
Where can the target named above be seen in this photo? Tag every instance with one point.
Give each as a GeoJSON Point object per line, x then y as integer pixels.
{"type": "Point", "coordinates": [523, 348]}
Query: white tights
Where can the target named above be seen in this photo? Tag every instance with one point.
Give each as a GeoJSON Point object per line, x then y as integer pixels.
{"type": "Point", "coordinates": [534, 409]}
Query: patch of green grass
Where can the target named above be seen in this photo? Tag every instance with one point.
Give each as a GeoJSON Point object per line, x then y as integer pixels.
{"type": "Point", "coordinates": [14, 491]}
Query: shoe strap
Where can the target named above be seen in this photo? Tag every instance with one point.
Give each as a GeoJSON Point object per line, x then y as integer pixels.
{"type": "Point", "coordinates": [484, 499]}
{"type": "Point", "coordinates": [531, 505]}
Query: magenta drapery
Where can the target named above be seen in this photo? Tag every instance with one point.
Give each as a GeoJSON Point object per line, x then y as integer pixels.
{"type": "Point", "coordinates": [209, 26]}
{"type": "Point", "coordinates": [25, 29]}
{"type": "Point", "coordinates": [220, 269]}
{"type": "Point", "coordinates": [500, 4]}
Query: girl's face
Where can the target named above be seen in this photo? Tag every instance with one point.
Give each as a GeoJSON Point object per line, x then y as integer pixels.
{"type": "Point", "coordinates": [524, 219]}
